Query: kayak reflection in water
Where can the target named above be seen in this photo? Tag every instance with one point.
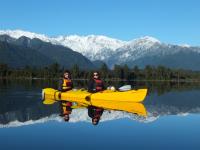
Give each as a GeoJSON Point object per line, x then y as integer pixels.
{"type": "Point", "coordinates": [95, 113]}
{"type": "Point", "coordinates": [65, 84]}
{"type": "Point", "coordinates": [66, 110]}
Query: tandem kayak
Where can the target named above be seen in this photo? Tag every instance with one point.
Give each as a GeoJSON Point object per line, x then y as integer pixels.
{"type": "Point", "coordinates": [131, 107]}
{"type": "Point", "coordinates": [83, 96]}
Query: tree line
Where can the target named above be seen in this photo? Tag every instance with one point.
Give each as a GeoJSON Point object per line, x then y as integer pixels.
{"type": "Point", "coordinates": [118, 72]}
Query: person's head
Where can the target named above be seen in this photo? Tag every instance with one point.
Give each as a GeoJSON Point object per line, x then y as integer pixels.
{"type": "Point", "coordinates": [96, 75]}
{"type": "Point", "coordinates": [66, 74]}
{"type": "Point", "coordinates": [66, 117]}
{"type": "Point", "coordinates": [95, 121]}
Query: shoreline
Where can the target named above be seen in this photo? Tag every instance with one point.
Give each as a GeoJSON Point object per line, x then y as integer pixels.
{"type": "Point", "coordinates": [114, 80]}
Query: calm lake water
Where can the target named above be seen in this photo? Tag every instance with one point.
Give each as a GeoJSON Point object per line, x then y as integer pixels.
{"type": "Point", "coordinates": [173, 120]}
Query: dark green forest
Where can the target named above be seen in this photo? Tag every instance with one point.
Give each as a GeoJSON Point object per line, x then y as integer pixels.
{"type": "Point", "coordinates": [118, 72]}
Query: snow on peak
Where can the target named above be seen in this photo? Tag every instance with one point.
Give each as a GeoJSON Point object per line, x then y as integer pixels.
{"type": "Point", "coordinates": [141, 44]}
{"type": "Point", "coordinates": [185, 45]}
{"type": "Point", "coordinates": [90, 43]}
{"type": "Point", "coordinates": [150, 39]}
{"type": "Point", "coordinates": [94, 47]}
{"type": "Point", "coordinates": [19, 33]}
{"type": "Point", "coordinates": [146, 41]}
{"type": "Point", "coordinates": [137, 48]}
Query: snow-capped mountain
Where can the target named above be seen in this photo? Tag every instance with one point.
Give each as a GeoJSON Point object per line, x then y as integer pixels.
{"type": "Point", "coordinates": [148, 51]}
{"type": "Point", "coordinates": [142, 51]}
{"type": "Point", "coordinates": [94, 47]}
{"type": "Point", "coordinates": [19, 33]}
{"type": "Point", "coordinates": [136, 48]}
{"type": "Point", "coordinates": [143, 42]}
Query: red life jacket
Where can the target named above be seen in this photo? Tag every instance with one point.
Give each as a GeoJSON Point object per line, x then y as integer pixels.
{"type": "Point", "coordinates": [99, 84]}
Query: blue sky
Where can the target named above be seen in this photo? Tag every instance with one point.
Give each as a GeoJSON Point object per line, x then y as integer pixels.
{"type": "Point", "coordinates": [171, 21]}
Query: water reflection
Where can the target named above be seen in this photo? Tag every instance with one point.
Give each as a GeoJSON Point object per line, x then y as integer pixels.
{"type": "Point", "coordinates": [95, 113]}
{"type": "Point", "coordinates": [20, 103]}
{"type": "Point", "coordinates": [65, 110]}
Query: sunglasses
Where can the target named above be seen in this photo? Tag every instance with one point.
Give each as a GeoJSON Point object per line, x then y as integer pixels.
{"type": "Point", "coordinates": [96, 75]}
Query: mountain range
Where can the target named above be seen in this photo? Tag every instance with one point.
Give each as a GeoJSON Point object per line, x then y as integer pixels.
{"type": "Point", "coordinates": [24, 51]}
{"type": "Point", "coordinates": [84, 50]}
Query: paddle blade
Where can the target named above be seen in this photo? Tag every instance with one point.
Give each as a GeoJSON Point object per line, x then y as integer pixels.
{"type": "Point", "coordinates": [125, 88]}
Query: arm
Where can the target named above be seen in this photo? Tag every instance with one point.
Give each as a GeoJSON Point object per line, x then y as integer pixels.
{"type": "Point", "coordinates": [91, 86]}
{"type": "Point", "coordinates": [60, 85]}
{"type": "Point", "coordinates": [103, 86]}
{"type": "Point", "coordinates": [72, 85]}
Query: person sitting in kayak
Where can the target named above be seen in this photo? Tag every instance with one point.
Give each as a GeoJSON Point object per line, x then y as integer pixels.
{"type": "Point", "coordinates": [96, 84]}
{"type": "Point", "coordinates": [95, 113]}
{"type": "Point", "coordinates": [65, 84]}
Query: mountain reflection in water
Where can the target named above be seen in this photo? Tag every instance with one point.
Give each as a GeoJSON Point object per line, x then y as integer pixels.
{"type": "Point", "coordinates": [21, 104]}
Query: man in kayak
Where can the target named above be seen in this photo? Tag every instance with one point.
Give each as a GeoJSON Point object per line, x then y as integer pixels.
{"type": "Point", "coordinates": [96, 84]}
{"type": "Point", "coordinates": [65, 84]}
{"type": "Point", "coordinates": [95, 113]}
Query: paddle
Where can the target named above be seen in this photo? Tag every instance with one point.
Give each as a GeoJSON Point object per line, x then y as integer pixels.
{"type": "Point", "coordinates": [122, 88]}
{"type": "Point", "coordinates": [125, 88]}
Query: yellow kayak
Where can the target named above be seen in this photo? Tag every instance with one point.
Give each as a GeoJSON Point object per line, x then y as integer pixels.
{"type": "Point", "coordinates": [82, 96]}
{"type": "Point", "coordinates": [126, 101]}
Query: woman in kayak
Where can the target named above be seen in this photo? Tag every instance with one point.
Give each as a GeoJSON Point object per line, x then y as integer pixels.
{"type": "Point", "coordinates": [96, 84]}
{"type": "Point", "coordinates": [95, 113]}
{"type": "Point", "coordinates": [65, 84]}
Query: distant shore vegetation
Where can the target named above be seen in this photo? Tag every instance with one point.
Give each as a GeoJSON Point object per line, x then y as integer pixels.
{"type": "Point", "coordinates": [119, 72]}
